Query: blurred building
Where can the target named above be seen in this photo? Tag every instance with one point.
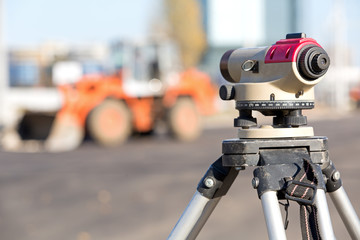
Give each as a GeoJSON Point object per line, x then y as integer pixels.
{"type": "Point", "coordinates": [30, 67]}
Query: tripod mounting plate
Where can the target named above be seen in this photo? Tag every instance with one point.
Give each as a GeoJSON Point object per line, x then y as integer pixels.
{"type": "Point", "coordinates": [267, 131]}
{"type": "Point", "coordinates": [246, 152]}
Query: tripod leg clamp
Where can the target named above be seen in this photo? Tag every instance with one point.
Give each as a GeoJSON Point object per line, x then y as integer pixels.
{"type": "Point", "coordinates": [217, 180]}
{"type": "Point", "coordinates": [333, 182]}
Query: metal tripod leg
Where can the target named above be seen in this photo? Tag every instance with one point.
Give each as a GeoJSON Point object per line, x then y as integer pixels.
{"type": "Point", "coordinates": [324, 220]}
{"type": "Point", "coordinates": [273, 218]}
{"type": "Point", "coordinates": [215, 184]}
{"type": "Point", "coordinates": [346, 212]}
{"type": "Point", "coordinates": [194, 217]}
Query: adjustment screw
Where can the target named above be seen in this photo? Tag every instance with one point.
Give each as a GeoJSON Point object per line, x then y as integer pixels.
{"type": "Point", "coordinates": [209, 182]}
{"type": "Point", "coordinates": [336, 176]}
{"type": "Point", "coordinates": [255, 182]}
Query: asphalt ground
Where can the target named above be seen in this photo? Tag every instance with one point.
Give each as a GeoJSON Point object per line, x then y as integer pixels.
{"type": "Point", "coordinates": [139, 190]}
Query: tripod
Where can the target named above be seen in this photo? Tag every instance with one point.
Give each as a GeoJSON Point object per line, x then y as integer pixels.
{"type": "Point", "coordinates": [290, 164]}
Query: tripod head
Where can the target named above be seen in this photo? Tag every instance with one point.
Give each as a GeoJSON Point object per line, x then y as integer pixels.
{"type": "Point", "coordinates": [276, 81]}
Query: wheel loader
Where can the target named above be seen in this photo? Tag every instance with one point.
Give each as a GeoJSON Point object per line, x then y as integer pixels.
{"type": "Point", "coordinates": [146, 88]}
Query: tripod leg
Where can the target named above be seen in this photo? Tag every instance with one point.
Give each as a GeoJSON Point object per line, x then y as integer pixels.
{"type": "Point", "coordinates": [273, 218]}
{"type": "Point", "coordinates": [194, 217]}
{"type": "Point", "coordinates": [324, 220]}
{"type": "Point", "coordinates": [215, 184]}
{"type": "Point", "coordinates": [341, 201]}
{"type": "Point", "coordinates": [346, 212]}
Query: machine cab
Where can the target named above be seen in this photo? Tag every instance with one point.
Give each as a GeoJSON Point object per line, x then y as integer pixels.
{"type": "Point", "coordinates": [146, 68]}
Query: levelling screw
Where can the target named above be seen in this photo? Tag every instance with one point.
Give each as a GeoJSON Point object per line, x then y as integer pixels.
{"type": "Point", "coordinates": [336, 176]}
{"type": "Point", "coordinates": [255, 182]}
{"type": "Point", "coordinates": [209, 182]}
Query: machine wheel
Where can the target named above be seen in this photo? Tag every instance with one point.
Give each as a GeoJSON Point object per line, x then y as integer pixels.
{"type": "Point", "coordinates": [109, 123]}
{"type": "Point", "coordinates": [184, 120]}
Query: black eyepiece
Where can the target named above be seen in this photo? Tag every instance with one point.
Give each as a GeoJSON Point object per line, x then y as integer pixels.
{"type": "Point", "coordinates": [320, 62]}
{"type": "Point", "coordinates": [313, 62]}
{"type": "Point", "coordinates": [224, 69]}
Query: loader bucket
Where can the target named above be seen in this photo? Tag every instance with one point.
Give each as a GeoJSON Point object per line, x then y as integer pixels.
{"type": "Point", "coordinates": [38, 132]}
{"type": "Point", "coordinates": [66, 134]}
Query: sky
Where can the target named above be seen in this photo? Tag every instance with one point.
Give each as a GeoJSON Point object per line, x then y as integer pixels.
{"type": "Point", "coordinates": [230, 28]}
{"type": "Point", "coordinates": [30, 22]}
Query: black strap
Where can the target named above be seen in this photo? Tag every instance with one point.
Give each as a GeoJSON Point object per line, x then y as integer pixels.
{"type": "Point", "coordinates": [308, 222]}
{"type": "Point", "coordinates": [302, 189]}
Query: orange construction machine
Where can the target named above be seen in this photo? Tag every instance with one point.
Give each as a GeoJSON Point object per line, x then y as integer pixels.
{"type": "Point", "coordinates": [355, 95]}
{"type": "Point", "coordinates": [147, 88]}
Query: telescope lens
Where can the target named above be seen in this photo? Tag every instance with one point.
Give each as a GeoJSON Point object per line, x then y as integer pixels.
{"type": "Point", "coordinates": [313, 62]}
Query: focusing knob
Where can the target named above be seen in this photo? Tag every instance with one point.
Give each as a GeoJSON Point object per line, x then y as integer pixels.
{"type": "Point", "coordinates": [227, 92]}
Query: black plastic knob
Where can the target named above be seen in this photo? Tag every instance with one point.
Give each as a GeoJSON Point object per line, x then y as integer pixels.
{"type": "Point", "coordinates": [227, 92]}
{"type": "Point", "coordinates": [295, 35]}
